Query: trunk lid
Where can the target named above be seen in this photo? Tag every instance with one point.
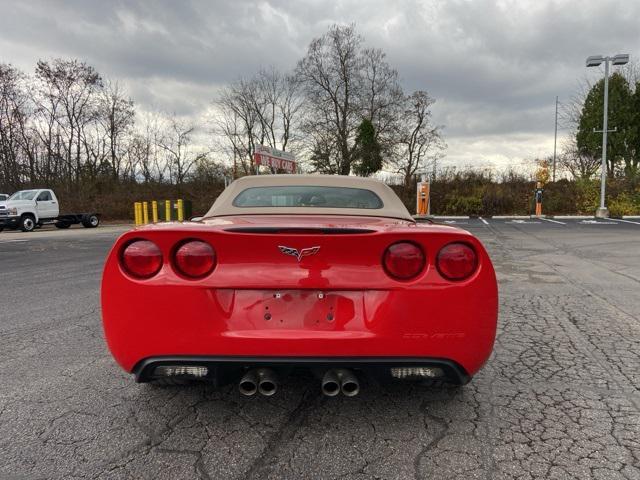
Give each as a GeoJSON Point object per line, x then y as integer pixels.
{"type": "Point", "coordinates": [305, 252]}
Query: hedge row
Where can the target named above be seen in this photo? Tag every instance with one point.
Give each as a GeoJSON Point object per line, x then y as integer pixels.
{"type": "Point", "coordinates": [480, 197]}
{"type": "Point", "coordinates": [469, 194]}
{"type": "Point", "coordinates": [115, 200]}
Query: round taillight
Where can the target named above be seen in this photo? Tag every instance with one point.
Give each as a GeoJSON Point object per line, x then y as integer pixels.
{"type": "Point", "coordinates": [195, 259]}
{"type": "Point", "coordinates": [457, 261]}
{"type": "Point", "coordinates": [142, 259]}
{"type": "Point", "coordinates": [403, 260]}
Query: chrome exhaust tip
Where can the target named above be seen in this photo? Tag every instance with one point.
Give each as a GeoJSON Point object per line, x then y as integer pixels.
{"type": "Point", "coordinates": [349, 384]}
{"type": "Point", "coordinates": [330, 383]}
{"type": "Point", "coordinates": [248, 385]}
{"type": "Point", "coordinates": [267, 382]}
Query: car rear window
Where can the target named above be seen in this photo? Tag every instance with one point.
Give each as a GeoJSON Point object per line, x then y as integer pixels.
{"type": "Point", "coordinates": [307, 196]}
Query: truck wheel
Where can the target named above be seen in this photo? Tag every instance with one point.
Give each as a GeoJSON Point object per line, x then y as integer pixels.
{"type": "Point", "coordinates": [27, 223]}
{"type": "Point", "coordinates": [62, 225]}
{"type": "Point", "coordinates": [90, 221]}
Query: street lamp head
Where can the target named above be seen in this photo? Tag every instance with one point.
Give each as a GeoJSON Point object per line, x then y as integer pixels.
{"type": "Point", "coordinates": [620, 59]}
{"type": "Point", "coordinates": [594, 60]}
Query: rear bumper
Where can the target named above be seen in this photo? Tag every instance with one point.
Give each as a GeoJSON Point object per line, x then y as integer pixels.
{"type": "Point", "coordinates": [224, 370]}
{"type": "Point", "coordinates": [213, 323]}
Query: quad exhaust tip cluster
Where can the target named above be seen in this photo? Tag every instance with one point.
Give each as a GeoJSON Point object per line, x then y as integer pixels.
{"type": "Point", "coordinates": [265, 380]}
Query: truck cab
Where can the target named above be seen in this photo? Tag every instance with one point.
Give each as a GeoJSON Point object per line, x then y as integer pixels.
{"type": "Point", "coordinates": [27, 209]}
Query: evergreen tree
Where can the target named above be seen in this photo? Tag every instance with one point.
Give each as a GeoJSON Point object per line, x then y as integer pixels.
{"type": "Point", "coordinates": [368, 156]}
{"type": "Point", "coordinates": [620, 144]}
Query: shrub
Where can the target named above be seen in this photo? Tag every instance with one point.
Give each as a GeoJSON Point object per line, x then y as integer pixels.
{"type": "Point", "coordinates": [587, 196]}
{"type": "Point", "coordinates": [624, 204]}
{"type": "Point", "coordinates": [495, 200]}
{"type": "Point", "coordinates": [463, 206]}
{"type": "Point", "coordinates": [560, 198]}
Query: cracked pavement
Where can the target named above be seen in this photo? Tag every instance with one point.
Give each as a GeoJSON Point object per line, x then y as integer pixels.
{"type": "Point", "coordinates": [559, 399]}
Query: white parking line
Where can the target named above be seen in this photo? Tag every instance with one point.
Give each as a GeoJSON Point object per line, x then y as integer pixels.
{"type": "Point", "coordinates": [456, 222]}
{"type": "Point", "coordinates": [626, 221]}
{"type": "Point", "coordinates": [517, 220]}
{"type": "Point", "coordinates": [484, 221]}
{"type": "Point", "coordinates": [550, 220]}
{"type": "Point", "coordinates": [596, 222]}
{"type": "Point", "coordinates": [14, 241]}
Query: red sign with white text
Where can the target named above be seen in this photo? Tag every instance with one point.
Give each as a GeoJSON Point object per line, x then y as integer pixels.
{"type": "Point", "coordinates": [273, 158]}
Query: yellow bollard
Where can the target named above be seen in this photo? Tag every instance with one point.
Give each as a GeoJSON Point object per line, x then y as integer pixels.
{"type": "Point", "coordinates": [180, 210]}
{"type": "Point", "coordinates": [145, 212]}
{"type": "Point", "coordinates": [154, 211]}
{"type": "Point", "coordinates": [167, 210]}
{"type": "Point", "coordinates": [136, 213]}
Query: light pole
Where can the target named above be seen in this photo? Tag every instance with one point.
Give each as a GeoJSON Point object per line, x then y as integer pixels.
{"type": "Point", "coordinates": [555, 141]}
{"type": "Point", "coordinates": [594, 61]}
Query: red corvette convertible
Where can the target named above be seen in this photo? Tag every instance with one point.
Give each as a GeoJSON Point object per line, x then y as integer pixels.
{"type": "Point", "coordinates": [327, 273]}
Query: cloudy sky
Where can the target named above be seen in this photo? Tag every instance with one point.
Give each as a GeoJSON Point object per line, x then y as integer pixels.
{"type": "Point", "coordinates": [494, 67]}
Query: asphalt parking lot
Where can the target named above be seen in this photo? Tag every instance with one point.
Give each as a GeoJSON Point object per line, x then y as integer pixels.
{"type": "Point", "coordinates": [559, 399]}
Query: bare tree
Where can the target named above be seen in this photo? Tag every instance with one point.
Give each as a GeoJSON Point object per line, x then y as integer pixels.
{"type": "Point", "coordinates": [239, 121]}
{"type": "Point", "coordinates": [13, 114]}
{"type": "Point", "coordinates": [257, 111]}
{"type": "Point", "coordinates": [45, 127]}
{"type": "Point", "coordinates": [116, 116]}
{"type": "Point", "coordinates": [331, 75]}
{"type": "Point", "coordinates": [69, 88]}
{"type": "Point", "coordinates": [582, 165]}
{"type": "Point", "coordinates": [344, 84]}
{"type": "Point", "coordinates": [67, 128]}
{"type": "Point", "coordinates": [289, 107]}
{"type": "Point", "coordinates": [419, 142]}
{"type": "Point", "coordinates": [382, 97]}
{"type": "Point", "coordinates": [323, 151]}
{"type": "Point", "coordinates": [177, 144]}
{"type": "Point", "coordinates": [276, 102]}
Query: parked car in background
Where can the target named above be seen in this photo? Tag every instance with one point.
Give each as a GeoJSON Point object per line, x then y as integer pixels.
{"type": "Point", "coordinates": [326, 273]}
{"type": "Point", "coordinates": [29, 209]}
{"type": "Point", "coordinates": [4, 196]}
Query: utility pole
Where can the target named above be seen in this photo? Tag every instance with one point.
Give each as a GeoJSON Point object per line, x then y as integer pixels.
{"type": "Point", "coordinates": [555, 141]}
{"type": "Point", "coordinates": [235, 148]}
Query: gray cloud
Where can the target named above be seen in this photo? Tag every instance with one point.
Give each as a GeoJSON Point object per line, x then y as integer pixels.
{"type": "Point", "coordinates": [494, 67]}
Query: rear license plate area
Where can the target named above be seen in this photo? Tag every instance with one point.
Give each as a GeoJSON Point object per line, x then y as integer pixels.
{"type": "Point", "coordinates": [299, 309]}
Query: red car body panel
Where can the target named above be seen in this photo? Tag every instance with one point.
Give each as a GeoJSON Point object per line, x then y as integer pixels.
{"type": "Point", "coordinates": [339, 302]}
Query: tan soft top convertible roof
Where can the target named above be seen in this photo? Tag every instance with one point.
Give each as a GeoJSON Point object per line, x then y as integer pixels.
{"type": "Point", "coordinates": [392, 206]}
